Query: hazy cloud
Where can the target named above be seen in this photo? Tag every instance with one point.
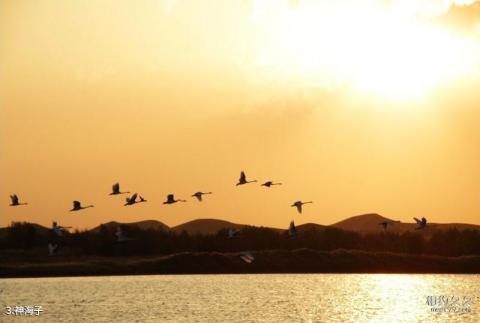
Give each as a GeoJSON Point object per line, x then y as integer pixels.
{"type": "Point", "coordinates": [427, 8]}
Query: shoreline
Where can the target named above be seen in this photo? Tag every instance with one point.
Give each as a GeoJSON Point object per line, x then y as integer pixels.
{"type": "Point", "coordinates": [296, 261]}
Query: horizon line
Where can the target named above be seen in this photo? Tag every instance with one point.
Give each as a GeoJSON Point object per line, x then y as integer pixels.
{"type": "Point", "coordinates": [235, 223]}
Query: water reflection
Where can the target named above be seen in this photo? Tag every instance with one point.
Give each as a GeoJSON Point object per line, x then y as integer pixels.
{"type": "Point", "coordinates": [253, 298]}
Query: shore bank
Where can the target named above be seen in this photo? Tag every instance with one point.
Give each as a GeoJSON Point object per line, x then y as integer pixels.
{"type": "Point", "coordinates": [268, 261]}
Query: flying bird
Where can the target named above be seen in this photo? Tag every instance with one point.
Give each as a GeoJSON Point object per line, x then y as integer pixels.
{"type": "Point", "coordinates": [270, 183]}
{"type": "Point", "coordinates": [298, 205]}
{"type": "Point", "coordinates": [232, 233]}
{"type": "Point", "coordinates": [52, 249]}
{"type": "Point", "coordinates": [120, 236]}
{"type": "Point", "coordinates": [198, 195]}
{"type": "Point", "coordinates": [59, 230]}
{"type": "Point", "coordinates": [171, 199]}
{"type": "Point", "coordinates": [133, 199]}
{"type": "Point", "coordinates": [77, 206]}
{"type": "Point", "coordinates": [292, 230]}
{"type": "Point", "coordinates": [247, 257]}
{"type": "Point", "coordinates": [116, 189]}
{"type": "Point", "coordinates": [421, 224]}
{"type": "Point", "coordinates": [387, 223]}
{"type": "Point", "coordinates": [243, 179]}
{"type": "Point", "coordinates": [15, 202]}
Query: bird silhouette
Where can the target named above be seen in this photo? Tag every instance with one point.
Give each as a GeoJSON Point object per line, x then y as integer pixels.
{"type": "Point", "coordinates": [292, 230]}
{"type": "Point", "coordinates": [171, 199]}
{"type": "Point", "coordinates": [52, 249]}
{"type": "Point", "coordinates": [421, 224]}
{"type": "Point", "coordinates": [270, 183]}
{"type": "Point", "coordinates": [120, 236]}
{"type": "Point", "coordinates": [59, 230]}
{"type": "Point", "coordinates": [133, 199]}
{"type": "Point", "coordinates": [199, 195]}
{"type": "Point", "coordinates": [116, 189]}
{"type": "Point", "coordinates": [77, 206]}
{"type": "Point", "coordinates": [298, 205]}
{"type": "Point", "coordinates": [232, 233]}
{"type": "Point", "coordinates": [247, 257]}
{"type": "Point", "coordinates": [243, 179]}
{"type": "Point", "coordinates": [387, 223]}
{"type": "Point", "coordinates": [15, 201]}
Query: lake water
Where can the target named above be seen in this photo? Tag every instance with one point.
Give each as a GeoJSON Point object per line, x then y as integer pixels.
{"type": "Point", "coordinates": [245, 298]}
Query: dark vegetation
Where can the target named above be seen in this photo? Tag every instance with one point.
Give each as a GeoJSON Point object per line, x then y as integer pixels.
{"type": "Point", "coordinates": [268, 261]}
{"type": "Point", "coordinates": [149, 242]}
{"type": "Point", "coordinates": [23, 252]}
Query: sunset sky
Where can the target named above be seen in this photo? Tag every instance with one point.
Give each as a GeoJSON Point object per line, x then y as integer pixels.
{"type": "Point", "coordinates": [359, 106]}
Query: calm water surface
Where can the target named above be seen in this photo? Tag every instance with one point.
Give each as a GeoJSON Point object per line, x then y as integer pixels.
{"type": "Point", "coordinates": [242, 298]}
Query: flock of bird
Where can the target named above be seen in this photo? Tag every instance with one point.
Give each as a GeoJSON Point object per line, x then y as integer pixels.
{"type": "Point", "coordinates": [77, 205]}
{"type": "Point", "coordinates": [420, 223]}
{"type": "Point", "coordinates": [232, 233]}
{"type": "Point", "coordinates": [131, 200]}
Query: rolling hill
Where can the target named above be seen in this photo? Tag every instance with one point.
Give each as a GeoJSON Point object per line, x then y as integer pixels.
{"type": "Point", "coordinates": [144, 225]}
{"type": "Point", "coordinates": [363, 224]}
{"type": "Point", "coordinates": [310, 227]}
{"type": "Point", "coordinates": [370, 223]}
{"type": "Point", "coordinates": [205, 226]}
{"type": "Point", "coordinates": [39, 229]}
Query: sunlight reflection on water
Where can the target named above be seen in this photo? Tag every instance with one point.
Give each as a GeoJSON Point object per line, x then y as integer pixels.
{"type": "Point", "coordinates": [235, 298]}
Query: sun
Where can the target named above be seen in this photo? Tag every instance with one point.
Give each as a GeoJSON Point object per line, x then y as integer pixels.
{"type": "Point", "coordinates": [374, 50]}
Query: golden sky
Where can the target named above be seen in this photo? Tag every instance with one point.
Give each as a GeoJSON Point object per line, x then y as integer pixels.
{"type": "Point", "coordinates": [360, 106]}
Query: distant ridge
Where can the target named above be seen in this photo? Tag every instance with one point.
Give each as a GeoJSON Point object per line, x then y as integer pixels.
{"type": "Point", "coordinates": [144, 225]}
{"type": "Point", "coordinates": [310, 227]}
{"type": "Point", "coordinates": [369, 223]}
{"type": "Point", "coordinates": [205, 226]}
{"type": "Point", "coordinates": [40, 229]}
{"type": "Point", "coordinates": [363, 224]}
